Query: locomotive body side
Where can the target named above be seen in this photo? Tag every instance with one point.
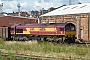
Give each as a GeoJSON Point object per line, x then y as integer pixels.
{"type": "Point", "coordinates": [39, 30]}
{"type": "Point", "coordinates": [50, 32]}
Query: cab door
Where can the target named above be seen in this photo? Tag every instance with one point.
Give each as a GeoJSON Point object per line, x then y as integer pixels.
{"type": "Point", "coordinates": [60, 30]}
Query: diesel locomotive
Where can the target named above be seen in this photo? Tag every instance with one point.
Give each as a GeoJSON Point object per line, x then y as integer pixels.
{"type": "Point", "coordinates": [58, 32]}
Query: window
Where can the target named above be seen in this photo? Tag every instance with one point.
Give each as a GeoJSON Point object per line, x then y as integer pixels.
{"type": "Point", "coordinates": [19, 30]}
{"type": "Point", "coordinates": [83, 6]}
{"type": "Point", "coordinates": [61, 29]}
{"type": "Point", "coordinates": [67, 28]}
{"type": "Point", "coordinates": [72, 28]}
{"type": "Point", "coordinates": [74, 7]}
{"type": "Point", "coordinates": [65, 8]}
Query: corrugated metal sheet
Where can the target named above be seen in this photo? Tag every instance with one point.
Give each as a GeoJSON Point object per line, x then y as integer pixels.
{"type": "Point", "coordinates": [4, 32]}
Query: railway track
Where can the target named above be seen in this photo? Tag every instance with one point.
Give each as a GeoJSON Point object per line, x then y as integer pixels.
{"type": "Point", "coordinates": [24, 57]}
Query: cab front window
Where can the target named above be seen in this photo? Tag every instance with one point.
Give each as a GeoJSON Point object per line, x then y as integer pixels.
{"type": "Point", "coordinates": [12, 29]}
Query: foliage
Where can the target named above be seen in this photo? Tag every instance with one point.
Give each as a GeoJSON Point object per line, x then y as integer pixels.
{"type": "Point", "coordinates": [45, 49]}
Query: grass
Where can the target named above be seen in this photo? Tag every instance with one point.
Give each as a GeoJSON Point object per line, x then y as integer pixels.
{"type": "Point", "coordinates": [46, 49]}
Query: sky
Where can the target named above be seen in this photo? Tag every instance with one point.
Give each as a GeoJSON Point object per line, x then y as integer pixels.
{"type": "Point", "coordinates": [28, 5]}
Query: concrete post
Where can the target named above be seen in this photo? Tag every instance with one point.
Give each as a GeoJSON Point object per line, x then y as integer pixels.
{"type": "Point", "coordinates": [77, 27]}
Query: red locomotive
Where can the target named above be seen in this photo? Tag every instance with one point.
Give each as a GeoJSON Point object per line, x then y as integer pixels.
{"type": "Point", "coordinates": [61, 32]}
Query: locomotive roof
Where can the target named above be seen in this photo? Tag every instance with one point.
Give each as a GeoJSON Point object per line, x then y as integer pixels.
{"type": "Point", "coordinates": [47, 24]}
{"type": "Point", "coordinates": [18, 25]}
{"type": "Point", "coordinates": [52, 24]}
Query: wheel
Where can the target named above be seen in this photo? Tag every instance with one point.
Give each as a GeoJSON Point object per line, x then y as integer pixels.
{"type": "Point", "coordinates": [41, 39]}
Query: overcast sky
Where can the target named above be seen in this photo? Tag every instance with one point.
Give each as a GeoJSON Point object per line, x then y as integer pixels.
{"type": "Point", "coordinates": [29, 5]}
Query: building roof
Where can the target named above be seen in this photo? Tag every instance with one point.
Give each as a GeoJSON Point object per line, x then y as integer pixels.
{"type": "Point", "coordinates": [70, 9]}
{"type": "Point", "coordinates": [19, 17]}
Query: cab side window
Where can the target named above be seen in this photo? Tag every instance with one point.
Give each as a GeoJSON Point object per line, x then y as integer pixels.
{"type": "Point", "coordinates": [61, 29]}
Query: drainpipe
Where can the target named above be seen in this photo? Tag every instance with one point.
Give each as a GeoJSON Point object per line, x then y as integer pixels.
{"type": "Point", "coordinates": [38, 20]}
{"type": "Point", "coordinates": [88, 26]}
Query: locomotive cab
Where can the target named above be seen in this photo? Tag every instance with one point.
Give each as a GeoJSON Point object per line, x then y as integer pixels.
{"type": "Point", "coordinates": [12, 30]}
{"type": "Point", "coordinates": [70, 29]}
{"type": "Point", "coordinates": [70, 32]}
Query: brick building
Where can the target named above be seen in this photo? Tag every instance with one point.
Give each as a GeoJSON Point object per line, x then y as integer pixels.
{"type": "Point", "coordinates": [78, 14]}
{"type": "Point", "coordinates": [10, 20]}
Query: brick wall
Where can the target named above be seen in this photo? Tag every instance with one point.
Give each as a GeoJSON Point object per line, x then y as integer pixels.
{"type": "Point", "coordinates": [83, 23]}
{"type": "Point", "coordinates": [10, 20]}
